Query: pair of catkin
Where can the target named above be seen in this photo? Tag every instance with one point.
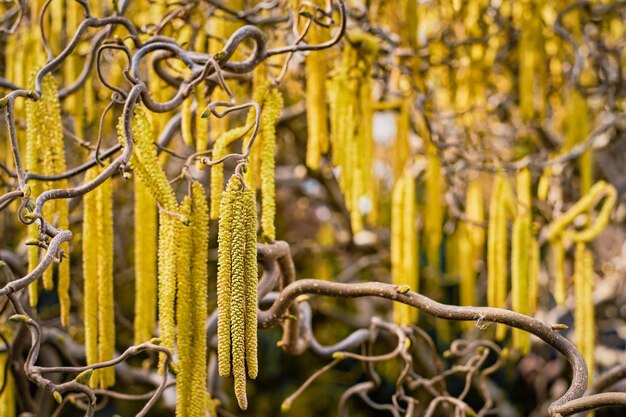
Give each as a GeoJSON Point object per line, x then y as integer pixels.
{"type": "Point", "coordinates": [45, 154]}
{"type": "Point", "coordinates": [98, 279]}
{"type": "Point", "coordinates": [404, 244]}
{"type": "Point", "coordinates": [237, 281]}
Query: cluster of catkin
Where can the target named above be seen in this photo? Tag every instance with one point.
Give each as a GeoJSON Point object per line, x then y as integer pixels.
{"type": "Point", "coordinates": [179, 248]}
{"type": "Point", "coordinates": [237, 281]}
{"type": "Point", "coordinates": [45, 154]}
{"type": "Point", "coordinates": [351, 124]}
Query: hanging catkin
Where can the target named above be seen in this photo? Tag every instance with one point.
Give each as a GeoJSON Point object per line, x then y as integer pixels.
{"type": "Point", "coordinates": [316, 112]}
{"type": "Point", "coordinates": [199, 277]}
{"type": "Point", "coordinates": [520, 257]}
{"type": "Point", "coordinates": [237, 286]}
{"type": "Point", "coordinates": [8, 395]}
{"type": "Point", "coordinates": [404, 245]}
{"type": "Point", "coordinates": [584, 317]}
{"type": "Point", "coordinates": [269, 117]}
{"type": "Point", "coordinates": [184, 312]}
{"type": "Point", "coordinates": [471, 239]}
{"type": "Point", "coordinates": [45, 127]}
{"type": "Point", "coordinates": [145, 262]}
{"type": "Point", "coordinates": [98, 279]}
{"type": "Point", "coordinates": [500, 208]}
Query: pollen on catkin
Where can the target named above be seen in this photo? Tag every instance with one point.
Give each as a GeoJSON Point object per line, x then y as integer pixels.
{"type": "Point", "coordinates": [237, 286]}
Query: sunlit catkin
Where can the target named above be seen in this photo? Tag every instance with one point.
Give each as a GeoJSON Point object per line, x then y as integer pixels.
{"type": "Point", "coordinates": [98, 279]}
{"type": "Point", "coordinates": [184, 312]}
{"type": "Point", "coordinates": [316, 111]}
{"type": "Point", "coordinates": [90, 273]}
{"type": "Point", "coordinates": [145, 262]}
{"type": "Point", "coordinates": [144, 161]}
{"type": "Point", "coordinates": [584, 316]}
{"type": "Point", "coordinates": [199, 277]}
{"type": "Point", "coordinates": [237, 281]}
{"type": "Point", "coordinates": [271, 111]}
{"type": "Point", "coordinates": [106, 316]}
{"type": "Point", "coordinates": [404, 245]}
{"type": "Point", "coordinates": [520, 257]}
{"type": "Point", "coordinates": [167, 255]}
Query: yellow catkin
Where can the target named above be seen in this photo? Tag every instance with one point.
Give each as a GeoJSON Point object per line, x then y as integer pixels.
{"type": "Point", "coordinates": [185, 122]}
{"type": "Point", "coordinates": [400, 315]}
{"type": "Point", "coordinates": [433, 210]}
{"type": "Point", "coordinates": [237, 302]}
{"type": "Point", "coordinates": [533, 276]}
{"type": "Point", "coordinates": [144, 161]}
{"type": "Point", "coordinates": [467, 274]}
{"type": "Point", "coordinates": [411, 239]}
{"type": "Point", "coordinates": [471, 240]}
{"type": "Point", "coordinates": [404, 245]}
{"type": "Point", "coordinates": [558, 265]}
{"type": "Point", "coordinates": [220, 149]}
{"type": "Point", "coordinates": [237, 276]}
{"type": "Point", "coordinates": [184, 312]}
{"type": "Point", "coordinates": [584, 319]}
{"type": "Point", "coordinates": [199, 276]}
{"type": "Point", "coordinates": [252, 176]}
{"type": "Point", "coordinates": [33, 163]}
{"type": "Point", "coordinates": [520, 257]}
{"type": "Point", "coordinates": [145, 262]}
{"type": "Point", "coordinates": [167, 254]}
{"type": "Point", "coordinates": [497, 247]}
{"type": "Point", "coordinates": [90, 273]}
{"type": "Point", "coordinates": [316, 71]}
{"type": "Point", "coordinates": [8, 396]}
{"type": "Point", "coordinates": [226, 214]}
{"type": "Point", "coordinates": [251, 282]}
{"type": "Point", "coordinates": [106, 315]}
{"type": "Point", "coordinates": [271, 111]}
{"type": "Point", "coordinates": [493, 235]}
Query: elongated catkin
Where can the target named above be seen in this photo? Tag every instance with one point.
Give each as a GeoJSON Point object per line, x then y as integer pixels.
{"type": "Point", "coordinates": [184, 313]}
{"type": "Point", "coordinates": [404, 245]}
{"type": "Point", "coordinates": [199, 277]}
{"type": "Point", "coordinates": [237, 286]}
{"type": "Point", "coordinates": [269, 117]}
{"type": "Point", "coordinates": [145, 262]}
